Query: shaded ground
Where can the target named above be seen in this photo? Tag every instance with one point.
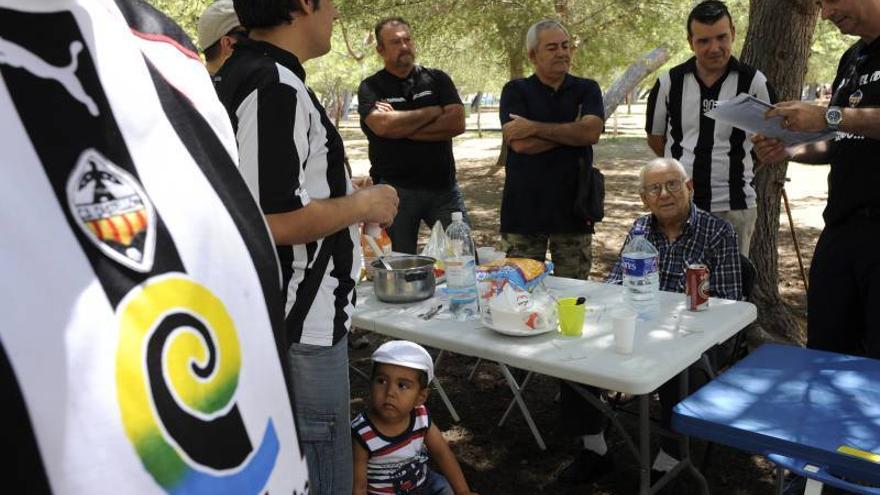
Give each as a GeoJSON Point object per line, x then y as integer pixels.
{"type": "Point", "coordinates": [506, 460]}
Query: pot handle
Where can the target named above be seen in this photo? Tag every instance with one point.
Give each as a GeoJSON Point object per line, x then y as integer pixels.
{"type": "Point", "coordinates": [414, 276]}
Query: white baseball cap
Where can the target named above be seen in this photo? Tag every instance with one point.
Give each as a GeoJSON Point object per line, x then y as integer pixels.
{"type": "Point", "coordinates": [407, 354]}
{"type": "Point", "coordinates": [216, 21]}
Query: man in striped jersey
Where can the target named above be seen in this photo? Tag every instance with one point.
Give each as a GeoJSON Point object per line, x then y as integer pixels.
{"type": "Point", "coordinates": [717, 156]}
{"type": "Point", "coordinates": [291, 157]}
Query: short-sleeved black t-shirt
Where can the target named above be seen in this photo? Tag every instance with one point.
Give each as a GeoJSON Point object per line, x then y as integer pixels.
{"type": "Point", "coordinates": [855, 166]}
{"type": "Point", "coordinates": [405, 162]}
{"type": "Point", "coordinates": [539, 190]}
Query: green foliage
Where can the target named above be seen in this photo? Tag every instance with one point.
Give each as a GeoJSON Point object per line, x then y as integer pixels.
{"type": "Point", "coordinates": [480, 43]}
{"type": "Point", "coordinates": [828, 46]}
{"type": "Point", "coordinates": [184, 12]}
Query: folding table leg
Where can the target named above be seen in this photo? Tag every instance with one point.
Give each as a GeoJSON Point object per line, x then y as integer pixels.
{"type": "Point", "coordinates": [684, 440]}
{"type": "Point", "coordinates": [443, 396]}
{"type": "Point", "coordinates": [522, 389]}
{"type": "Point", "coordinates": [511, 382]}
{"type": "Point", "coordinates": [813, 487]}
{"type": "Point", "coordinates": [644, 444]}
{"type": "Point", "coordinates": [780, 480]}
{"type": "Point", "coordinates": [474, 369]}
{"type": "Point", "coordinates": [359, 373]}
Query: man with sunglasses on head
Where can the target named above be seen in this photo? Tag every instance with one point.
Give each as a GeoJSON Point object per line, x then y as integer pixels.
{"type": "Point", "coordinates": [682, 234]}
{"type": "Point", "coordinates": [219, 30]}
{"type": "Point", "coordinates": [410, 114]}
{"type": "Point", "coordinates": [844, 274]}
{"type": "Point", "coordinates": [718, 157]}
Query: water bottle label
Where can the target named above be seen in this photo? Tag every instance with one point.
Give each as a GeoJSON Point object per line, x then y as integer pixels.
{"type": "Point", "coordinates": [639, 267]}
{"type": "Point", "coordinates": [460, 273]}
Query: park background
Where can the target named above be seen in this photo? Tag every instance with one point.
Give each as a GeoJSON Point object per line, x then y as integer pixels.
{"type": "Point", "coordinates": [624, 45]}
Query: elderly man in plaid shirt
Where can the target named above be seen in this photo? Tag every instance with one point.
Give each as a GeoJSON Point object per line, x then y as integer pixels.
{"type": "Point", "coordinates": [683, 234]}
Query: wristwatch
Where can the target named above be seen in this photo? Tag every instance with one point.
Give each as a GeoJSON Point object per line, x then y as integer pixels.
{"type": "Point", "coordinates": [833, 117]}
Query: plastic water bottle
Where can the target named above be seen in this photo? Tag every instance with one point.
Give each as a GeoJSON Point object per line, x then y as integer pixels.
{"type": "Point", "coordinates": [461, 280]}
{"type": "Point", "coordinates": [641, 277]}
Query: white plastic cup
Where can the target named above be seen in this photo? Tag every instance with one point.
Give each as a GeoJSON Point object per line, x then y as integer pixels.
{"type": "Point", "coordinates": [486, 254]}
{"type": "Point", "coordinates": [623, 323]}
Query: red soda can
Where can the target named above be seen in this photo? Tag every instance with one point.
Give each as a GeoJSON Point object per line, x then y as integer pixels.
{"type": "Point", "coordinates": [697, 287]}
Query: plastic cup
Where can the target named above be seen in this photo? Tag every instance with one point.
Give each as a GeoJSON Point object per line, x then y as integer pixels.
{"type": "Point", "coordinates": [571, 316]}
{"type": "Point", "coordinates": [486, 254]}
{"type": "Point", "coordinates": [623, 323]}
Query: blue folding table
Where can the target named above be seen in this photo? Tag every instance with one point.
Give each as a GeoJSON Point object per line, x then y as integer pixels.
{"type": "Point", "coordinates": [815, 412]}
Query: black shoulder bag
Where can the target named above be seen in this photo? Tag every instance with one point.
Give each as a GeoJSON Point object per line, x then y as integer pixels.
{"type": "Point", "coordinates": [589, 202]}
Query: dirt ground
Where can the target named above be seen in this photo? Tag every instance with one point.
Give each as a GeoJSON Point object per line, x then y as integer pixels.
{"type": "Point", "coordinates": [506, 460]}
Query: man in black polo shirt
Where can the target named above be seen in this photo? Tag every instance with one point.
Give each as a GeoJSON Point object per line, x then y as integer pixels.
{"type": "Point", "coordinates": [844, 291]}
{"type": "Point", "coordinates": [718, 157]}
{"type": "Point", "coordinates": [410, 114]}
{"type": "Point", "coordinates": [550, 121]}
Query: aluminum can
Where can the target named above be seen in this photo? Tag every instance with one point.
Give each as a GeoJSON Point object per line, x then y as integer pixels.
{"type": "Point", "coordinates": [697, 287]}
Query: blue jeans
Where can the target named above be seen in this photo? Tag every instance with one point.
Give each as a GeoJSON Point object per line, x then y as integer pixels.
{"type": "Point", "coordinates": [319, 379]}
{"type": "Point", "coordinates": [436, 484]}
{"type": "Point", "coordinates": [417, 205]}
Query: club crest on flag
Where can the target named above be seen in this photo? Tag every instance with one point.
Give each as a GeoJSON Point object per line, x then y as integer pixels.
{"type": "Point", "coordinates": [113, 211]}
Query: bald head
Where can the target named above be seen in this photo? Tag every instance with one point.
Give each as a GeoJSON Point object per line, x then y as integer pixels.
{"type": "Point", "coordinates": [661, 164]}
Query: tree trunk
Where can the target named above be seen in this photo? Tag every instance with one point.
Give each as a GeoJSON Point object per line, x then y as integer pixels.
{"type": "Point", "coordinates": [778, 44]}
{"type": "Point", "coordinates": [516, 61]}
{"type": "Point", "coordinates": [633, 76]}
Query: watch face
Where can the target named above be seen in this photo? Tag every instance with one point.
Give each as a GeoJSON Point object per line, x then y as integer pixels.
{"type": "Point", "coordinates": [833, 116]}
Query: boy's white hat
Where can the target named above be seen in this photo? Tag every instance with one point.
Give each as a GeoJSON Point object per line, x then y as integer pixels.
{"type": "Point", "coordinates": [217, 20]}
{"type": "Point", "coordinates": [407, 354]}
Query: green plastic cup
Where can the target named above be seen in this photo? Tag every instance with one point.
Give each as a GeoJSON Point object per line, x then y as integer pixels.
{"type": "Point", "coordinates": [571, 316]}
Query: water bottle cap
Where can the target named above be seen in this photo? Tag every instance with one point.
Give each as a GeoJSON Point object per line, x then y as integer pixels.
{"type": "Point", "coordinates": [456, 216]}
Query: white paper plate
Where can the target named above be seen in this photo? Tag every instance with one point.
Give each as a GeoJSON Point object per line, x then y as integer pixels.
{"type": "Point", "coordinates": [519, 333]}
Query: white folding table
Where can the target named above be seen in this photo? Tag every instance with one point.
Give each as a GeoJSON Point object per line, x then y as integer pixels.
{"type": "Point", "coordinates": [664, 347]}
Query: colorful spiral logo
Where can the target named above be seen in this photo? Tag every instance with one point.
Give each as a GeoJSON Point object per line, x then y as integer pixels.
{"type": "Point", "coordinates": [177, 371]}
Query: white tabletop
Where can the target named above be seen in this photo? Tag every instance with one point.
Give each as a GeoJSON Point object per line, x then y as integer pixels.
{"type": "Point", "coordinates": [664, 345]}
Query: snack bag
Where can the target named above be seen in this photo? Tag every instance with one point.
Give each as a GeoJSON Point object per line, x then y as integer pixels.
{"type": "Point", "coordinates": [437, 247]}
{"type": "Point", "coordinates": [524, 273]}
{"type": "Point", "coordinates": [380, 239]}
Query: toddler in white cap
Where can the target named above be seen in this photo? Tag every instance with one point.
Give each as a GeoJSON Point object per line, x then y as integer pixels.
{"type": "Point", "coordinates": [395, 437]}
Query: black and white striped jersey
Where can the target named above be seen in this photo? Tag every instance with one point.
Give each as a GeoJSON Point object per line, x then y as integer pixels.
{"type": "Point", "coordinates": [141, 331]}
{"type": "Point", "coordinates": [290, 153]}
{"type": "Point", "coordinates": [717, 156]}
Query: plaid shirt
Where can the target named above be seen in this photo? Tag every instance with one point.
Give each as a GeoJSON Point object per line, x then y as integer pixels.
{"type": "Point", "coordinates": [705, 239]}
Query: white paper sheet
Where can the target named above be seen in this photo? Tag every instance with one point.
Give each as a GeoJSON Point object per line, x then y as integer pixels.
{"type": "Point", "coordinates": [746, 112]}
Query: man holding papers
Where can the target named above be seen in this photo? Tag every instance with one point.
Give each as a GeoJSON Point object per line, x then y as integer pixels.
{"type": "Point", "coordinates": [845, 273]}
{"type": "Point", "coordinates": [717, 156]}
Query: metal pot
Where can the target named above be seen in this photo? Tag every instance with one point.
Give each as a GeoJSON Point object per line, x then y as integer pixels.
{"type": "Point", "coordinates": [410, 279]}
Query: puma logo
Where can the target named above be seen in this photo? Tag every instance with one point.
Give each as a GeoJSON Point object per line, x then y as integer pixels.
{"type": "Point", "coordinates": [19, 57]}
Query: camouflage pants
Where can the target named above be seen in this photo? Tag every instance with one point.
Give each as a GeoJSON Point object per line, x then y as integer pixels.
{"type": "Point", "coordinates": [571, 253]}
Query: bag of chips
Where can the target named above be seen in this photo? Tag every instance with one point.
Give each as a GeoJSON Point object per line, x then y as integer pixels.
{"type": "Point", "coordinates": [524, 273]}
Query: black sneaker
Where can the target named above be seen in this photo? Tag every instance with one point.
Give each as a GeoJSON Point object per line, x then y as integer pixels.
{"type": "Point", "coordinates": [586, 467]}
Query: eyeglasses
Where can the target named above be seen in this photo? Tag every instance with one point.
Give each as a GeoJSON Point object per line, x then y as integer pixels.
{"type": "Point", "coordinates": [672, 186]}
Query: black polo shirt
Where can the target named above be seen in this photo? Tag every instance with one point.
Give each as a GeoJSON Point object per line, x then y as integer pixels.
{"type": "Point", "coordinates": [855, 171]}
{"type": "Point", "coordinates": [405, 162]}
{"type": "Point", "coordinates": [539, 190]}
